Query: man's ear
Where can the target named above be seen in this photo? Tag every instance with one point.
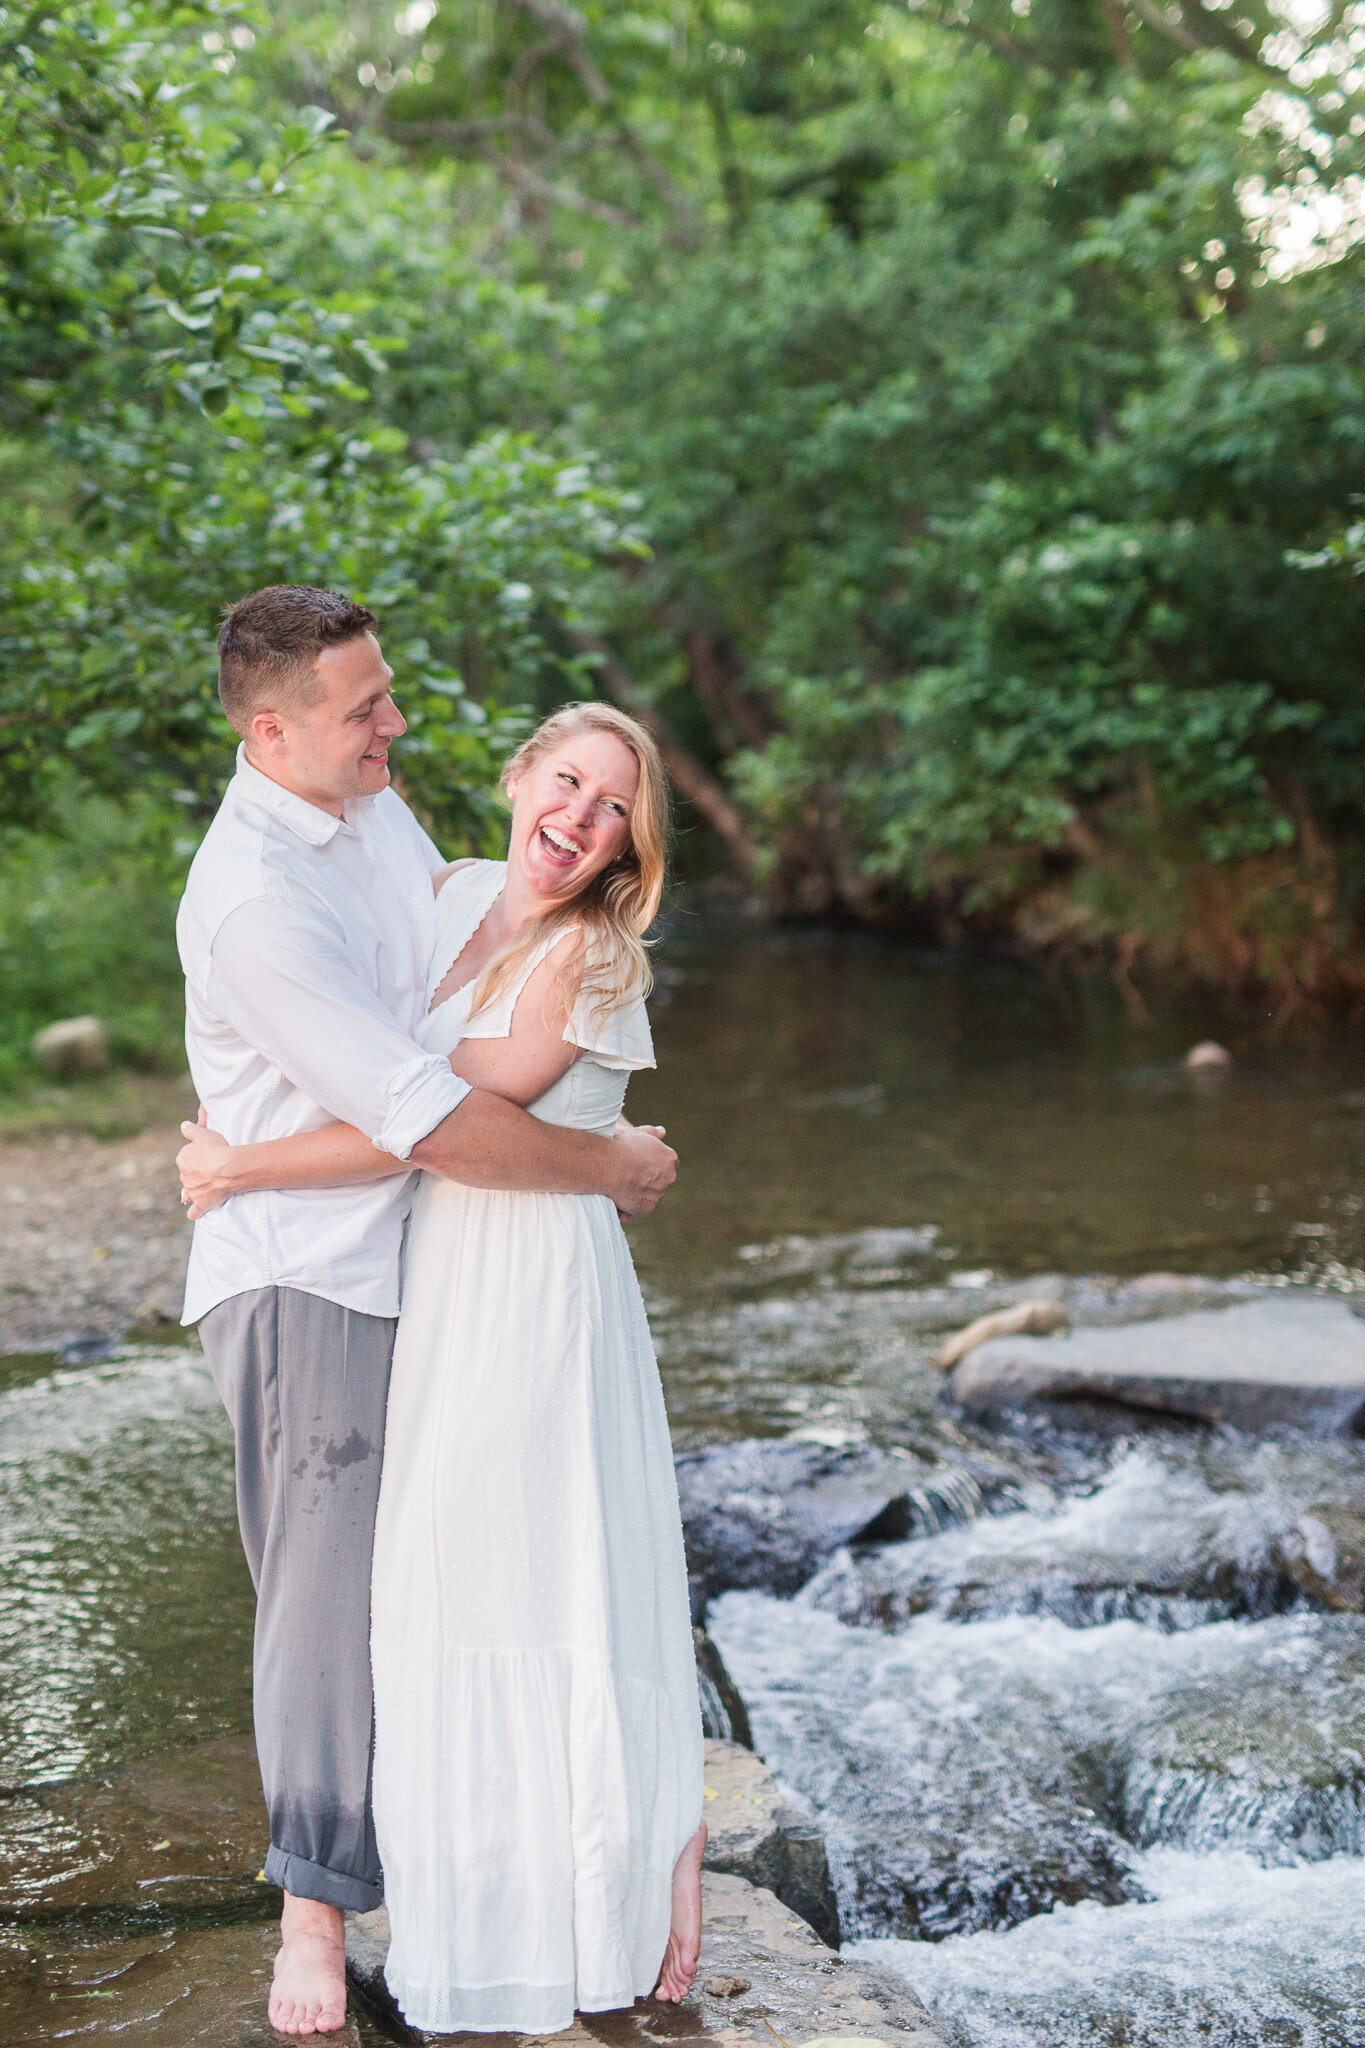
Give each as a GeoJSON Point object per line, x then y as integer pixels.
{"type": "Point", "coordinates": [266, 733]}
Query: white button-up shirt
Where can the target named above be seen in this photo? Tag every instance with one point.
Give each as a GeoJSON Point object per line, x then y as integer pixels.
{"type": "Point", "coordinates": [305, 941]}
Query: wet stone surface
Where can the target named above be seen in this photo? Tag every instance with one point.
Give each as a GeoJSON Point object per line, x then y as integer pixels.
{"type": "Point", "coordinates": [754, 1833]}
{"type": "Point", "coordinates": [1290, 1361]}
{"type": "Point", "coordinates": [769, 1513]}
{"type": "Point", "coordinates": [800, 1988]}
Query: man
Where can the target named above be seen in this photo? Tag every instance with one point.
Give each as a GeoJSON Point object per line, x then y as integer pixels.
{"type": "Point", "coordinates": [305, 933]}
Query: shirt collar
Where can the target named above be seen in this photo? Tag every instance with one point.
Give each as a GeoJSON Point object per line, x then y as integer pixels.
{"type": "Point", "coordinates": [316, 826]}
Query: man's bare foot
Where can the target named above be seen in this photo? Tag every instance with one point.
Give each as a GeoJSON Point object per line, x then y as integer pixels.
{"type": "Point", "coordinates": [309, 1992]}
{"type": "Point", "coordinates": [684, 1936]}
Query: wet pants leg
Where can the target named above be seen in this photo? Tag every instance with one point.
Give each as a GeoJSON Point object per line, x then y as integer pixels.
{"type": "Point", "coordinates": [305, 1383]}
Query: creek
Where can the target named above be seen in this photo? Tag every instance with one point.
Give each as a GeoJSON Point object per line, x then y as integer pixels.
{"type": "Point", "coordinates": [1090, 1760]}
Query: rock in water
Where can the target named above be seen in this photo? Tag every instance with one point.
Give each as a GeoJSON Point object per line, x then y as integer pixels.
{"type": "Point", "coordinates": [1207, 1057]}
{"type": "Point", "coordinates": [755, 1834]}
{"type": "Point", "coordinates": [1325, 1555]}
{"type": "Point", "coordinates": [724, 1717]}
{"type": "Point", "coordinates": [76, 1045]}
{"type": "Point", "coordinates": [1173, 1545]}
{"type": "Point", "coordinates": [769, 1513]}
{"type": "Point", "coordinates": [942, 1763]}
{"type": "Point", "coordinates": [1273, 1767]}
{"type": "Point", "coordinates": [1291, 1360]}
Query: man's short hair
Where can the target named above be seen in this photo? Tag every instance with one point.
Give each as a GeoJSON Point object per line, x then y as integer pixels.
{"type": "Point", "coordinates": [269, 642]}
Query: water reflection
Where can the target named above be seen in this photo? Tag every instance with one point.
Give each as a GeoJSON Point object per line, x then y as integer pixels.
{"type": "Point", "coordinates": [819, 1084]}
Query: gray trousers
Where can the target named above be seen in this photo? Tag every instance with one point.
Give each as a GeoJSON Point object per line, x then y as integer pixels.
{"type": "Point", "coordinates": [306, 1383]}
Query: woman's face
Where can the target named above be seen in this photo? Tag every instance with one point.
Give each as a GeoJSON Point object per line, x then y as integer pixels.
{"type": "Point", "coordinates": [571, 812]}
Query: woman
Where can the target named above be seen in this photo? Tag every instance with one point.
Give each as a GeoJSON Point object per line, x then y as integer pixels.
{"type": "Point", "coordinates": [537, 1776]}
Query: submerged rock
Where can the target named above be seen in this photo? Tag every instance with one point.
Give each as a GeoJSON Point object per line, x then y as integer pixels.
{"type": "Point", "coordinates": [1293, 1360]}
{"type": "Point", "coordinates": [205, 1988]}
{"type": "Point", "coordinates": [1325, 1555]}
{"type": "Point", "coordinates": [970, 1774]}
{"type": "Point", "coordinates": [1274, 1768]}
{"type": "Point", "coordinates": [1222, 1954]}
{"type": "Point", "coordinates": [769, 1512]}
{"type": "Point", "coordinates": [953, 1795]}
{"type": "Point", "coordinates": [754, 1833]}
{"type": "Point", "coordinates": [1169, 1545]}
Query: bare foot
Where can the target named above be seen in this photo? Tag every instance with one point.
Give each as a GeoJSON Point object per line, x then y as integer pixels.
{"type": "Point", "coordinates": [684, 1936]}
{"type": "Point", "coordinates": [309, 1992]}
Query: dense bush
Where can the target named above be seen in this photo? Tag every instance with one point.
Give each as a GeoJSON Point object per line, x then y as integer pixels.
{"type": "Point", "coordinates": [986, 379]}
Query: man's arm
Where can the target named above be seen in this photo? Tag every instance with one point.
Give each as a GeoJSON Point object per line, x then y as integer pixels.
{"type": "Point", "coordinates": [285, 981]}
{"type": "Point", "coordinates": [489, 1143]}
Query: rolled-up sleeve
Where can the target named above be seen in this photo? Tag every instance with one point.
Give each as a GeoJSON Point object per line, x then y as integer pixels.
{"type": "Point", "coordinates": [285, 981]}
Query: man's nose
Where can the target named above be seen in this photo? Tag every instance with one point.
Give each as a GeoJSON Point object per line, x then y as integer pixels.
{"type": "Point", "coordinates": [389, 722]}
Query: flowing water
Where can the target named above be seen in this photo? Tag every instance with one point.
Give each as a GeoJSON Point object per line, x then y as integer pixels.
{"type": "Point", "coordinates": [1091, 1759]}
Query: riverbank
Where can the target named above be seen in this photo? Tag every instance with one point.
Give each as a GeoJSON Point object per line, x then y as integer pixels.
{"type": "Point", "coordinates": [95, 1240]}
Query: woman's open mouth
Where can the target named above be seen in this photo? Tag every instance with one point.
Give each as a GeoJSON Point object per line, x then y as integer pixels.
{"type": "Point", "coordinates": [557, 847]}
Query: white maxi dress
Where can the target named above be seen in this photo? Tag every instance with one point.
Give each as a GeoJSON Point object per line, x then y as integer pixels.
{"type": "Point", "coordinates": [538, 1743]}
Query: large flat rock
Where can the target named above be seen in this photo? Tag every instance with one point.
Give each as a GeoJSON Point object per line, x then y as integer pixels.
{"type": "Point", "coordinates": [1295, 1360]}
{"type": "Point", "coordinates": [761, 1962]}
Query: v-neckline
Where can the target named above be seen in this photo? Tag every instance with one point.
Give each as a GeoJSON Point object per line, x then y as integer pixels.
{"type": "Point", "coordinates": [439, 1001]}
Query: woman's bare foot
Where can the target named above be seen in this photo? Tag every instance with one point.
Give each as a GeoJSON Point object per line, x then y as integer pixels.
{"type": "Point", "coordinates": [309, 1992]}
{"type": "Point", "coordinates": [684, 1936]}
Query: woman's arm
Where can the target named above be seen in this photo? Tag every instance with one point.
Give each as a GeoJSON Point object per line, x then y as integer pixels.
{"type": "Point", "coordinates": [535, 1053]}
{"type": "Point", "coordinates": [337, 1156]}
{"type": "Point", "coordinates": [519, 1067]}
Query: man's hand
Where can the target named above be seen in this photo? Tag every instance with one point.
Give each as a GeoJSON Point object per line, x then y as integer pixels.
{"type": "Point", "coordinates": [648, 1168]}
{"type": "Point", "coordinates": [200, 1164]}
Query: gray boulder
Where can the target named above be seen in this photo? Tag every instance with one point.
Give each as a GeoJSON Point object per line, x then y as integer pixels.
{"type": "Point", "coordinates": [752, 1832]}
{"type": "Point", "coordinates": [1290, 1360]}
{"type": "Point", "coordinates": [76, 1045]}
{"type": "Point", "coordinates": [768, 1513]}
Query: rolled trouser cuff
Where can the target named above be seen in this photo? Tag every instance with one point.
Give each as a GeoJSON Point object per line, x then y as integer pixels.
{"type": "Point", "coordinates": [305, 1880]}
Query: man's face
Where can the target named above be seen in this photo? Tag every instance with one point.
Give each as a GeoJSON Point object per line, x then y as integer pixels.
{"type": "Point", "coordinates": [339, 746]}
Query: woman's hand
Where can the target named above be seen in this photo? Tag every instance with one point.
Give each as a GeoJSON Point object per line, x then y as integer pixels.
{"type": "Point", "coordinates": [201, 1164]}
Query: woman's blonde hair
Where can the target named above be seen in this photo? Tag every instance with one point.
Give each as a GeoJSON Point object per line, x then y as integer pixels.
{"type": "Point", "coordinates": [608, 961]}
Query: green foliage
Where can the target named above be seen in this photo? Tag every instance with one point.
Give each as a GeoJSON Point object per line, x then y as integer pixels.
{"type": "Point", "coordinates": [987, 375]}
{"type": "Point", "coordinates": [87, 914]}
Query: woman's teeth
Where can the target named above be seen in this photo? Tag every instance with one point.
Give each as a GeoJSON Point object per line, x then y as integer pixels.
{"type": "Point", "coordinates": [558, 844]}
